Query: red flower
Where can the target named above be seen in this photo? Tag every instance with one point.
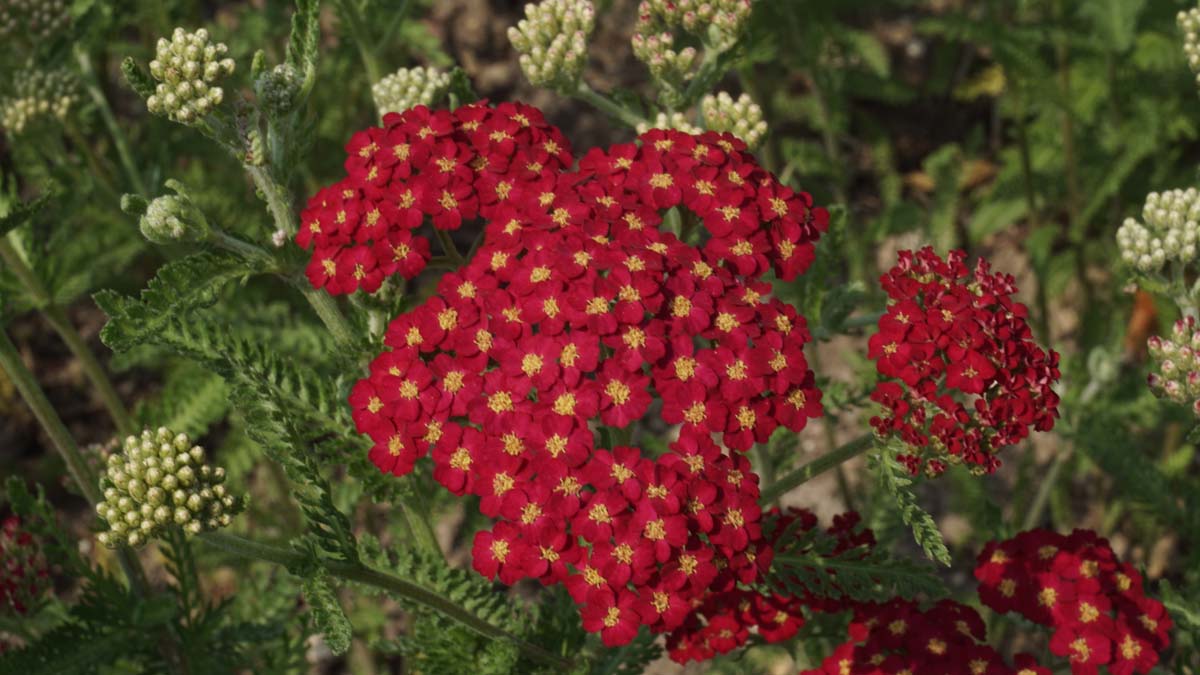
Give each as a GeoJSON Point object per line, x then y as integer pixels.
{"type": "Point", "coordinates": [613, 615]}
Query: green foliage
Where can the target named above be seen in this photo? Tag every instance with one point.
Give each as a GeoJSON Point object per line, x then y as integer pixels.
{"type": "Point", "coordinates": [894, 480]}
{"type": "Point", "coordinates": [629, 659]}
{"type": "Point", "coordinates": [178, 288]}
{"type": "Point", "coordinates": [808, 566]}
{"type": "Point", "coordinates": [326, 611]}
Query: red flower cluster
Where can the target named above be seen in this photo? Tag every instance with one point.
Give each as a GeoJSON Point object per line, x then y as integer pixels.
{"type": "Point", "coordinates": [964, 377]}
{"type": "Point", "coordinates": [578, 311]}
{"type": "Point", "coordinates": [24, 575]}
{"type": "Point", "coordinates": [724, 616]}
{"type": "Point", "coordinates": [1074, 584]}
{"type": "Point", "coordinates": [900, 638]}
{"type": "Point", "coordinates": [447, 167]}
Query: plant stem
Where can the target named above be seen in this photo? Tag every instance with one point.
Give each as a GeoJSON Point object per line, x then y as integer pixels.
{"type": "Point", "coordinates": [276, 197]}
{"type": "Point", "coordinates": [816, 467]}
{"type": "Point", "coordinates": [359, 573]}
{"type": "Point", "coordinates": [327, 310]}
{"type": "Point", "coordinates": [58, 320]}
{"type": "Point", "coordinates": [81, 472]}
{"type": "Point", "coordinates": [610, 107]}
{"type": "Point", "coordinates": [447, 241]}
{"type": "Point", "coordinates": [358, 32]}
{"type": "Point", "coordinates": [92, 83]}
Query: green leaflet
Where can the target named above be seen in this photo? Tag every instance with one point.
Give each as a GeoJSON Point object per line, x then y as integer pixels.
{"type": "Point", "coordinates": [895, 481]}
{"type": "Point", "coordinates": [326, 611]}
{"type": "Point", "coordinates": [179, 287]}
{"type": "Point", "coordinates": [807, 564]}
{"type": "Point", "coordinates": [192, 399]}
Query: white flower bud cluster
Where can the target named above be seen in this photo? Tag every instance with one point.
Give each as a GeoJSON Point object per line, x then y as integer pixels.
{"type": "Point", "coordinates": [1189, 23]}
{"type": "Point", "coordinates": [408, 88]}
{"type": "Point", "coordinates": [552, 41]}
{"type": "Point", "coordinates": [278, 87]}
{"type": "Point", "coordinates": [38, 94]}
{"type": "Point", "coordinates": [675, 120]}
{"type": "Point", "coordinates": [173, 218]}
{"type": "Point", "coordinates": [187, 67]}
{"type": "Point", "coordinates": [158, 480]}
{"type": "Point", "coordinates": [717, 22]}
{"type": "Point", "coordinates": [1169, 231]}
{"type": "Point", "coordinates": [1178, 364]}
{"type": "Point", "coordinates": [741, 117]}
{"type": "Point", "coordinates": [32, 20]}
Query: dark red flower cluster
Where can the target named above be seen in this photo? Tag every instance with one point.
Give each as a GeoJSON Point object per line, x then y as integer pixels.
{"type": "Point", "coordinates": [422, 165]}
{"type": "Point", "coordinates": [963, 376]}
{"type": "Point", "coordinates": [900, 638]}
{"type": "Point", "coordinates": [24, 575]}
{"type": "Point", "coordinates": [1073, 583]}
{"type": "Point", "coordinates": [724, 617]}
{"type": "Point", "coordinates": [578, 311]}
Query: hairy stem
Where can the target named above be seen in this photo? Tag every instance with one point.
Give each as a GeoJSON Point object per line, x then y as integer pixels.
{"type": "Point", "coordinates": [81, 472]}
{"type": "Point", "coordinates": [608, 106]}
{"type": "Point", "coordinates": [359, 573]}
{"type": "Point", "coordinates": [327, 310]}
{"type": "Point", "coordinates": [815, 468]}
{"type": "Point", "coordinates": [276, 197]}
{"type": "Point", "coordinates": [58, 320]}
{"type": "Point", "coordinates": [91, 82]}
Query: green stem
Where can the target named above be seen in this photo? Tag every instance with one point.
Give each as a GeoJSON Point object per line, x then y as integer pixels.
{"type": "Point", "coordinates": [251, 252]}
{"type": "Point", "coordinates": [359, 573]}
{"type": "Point", "coordinates": [608, 106]}
{"type": "Point", "coordinates": [327, 310]}
{"type": "Point", "coordinates": [74, 341]}
{"type": "Point", "coordinates": [815, 468]}
{"type": "Point", "coordinates": [358, 32]}
{"type": "Point", "coordinates": [277, 199]}
{"type": "Point", "coordinates": [92, 83]}
{"type": "Point", "coordinates": [448, 246]}
{"type": "Point", "coordinates": [93, 162]}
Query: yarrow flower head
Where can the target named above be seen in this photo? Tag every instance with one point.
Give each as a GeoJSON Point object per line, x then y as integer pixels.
{"type": "Point", "coordinates": [900, 637]}
{"type": "Point", "coordinates": [1189, 23]}
{"type": "Point", "coordinates": [725, 616]}
{"type": "Point", "coordinates": [718, 23]}
{"type": "Point", "coordinates": [741, 117]}
{"type": "Point", "coordinates": [188, 67]}
{"type": "Point", "coordinates": [1095, 604]}
{"type": "Point", "coordinates": [552, 42]}
{"type": "Point", "coordinates": [962, 376]}
{"type": "Point", "coordinates": [158, 480]}
{"type": "Point", "coordinates": [38, 96]}
{"type": "Point", "coordinates": [24, 574]}
{"type": "Point", "coordinates": [409, 87]}
{"type": "Point", "coordinates": [675, 120]}
{"type": "Point", "coordinates": [33, 20]}
{"type": "Point", "coordinates": [577, 310]}
{"type": "Point", "coordinates": [1169, 231]}
{"type": "Point", "coordinates": [1177, 359]}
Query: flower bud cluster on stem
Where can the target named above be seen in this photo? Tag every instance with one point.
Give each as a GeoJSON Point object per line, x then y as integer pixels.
{"type": "Point", "coordinates": [160, 479]}
{"type": "Point", "coordinates": [1177, 362]}
{"type": "Point", "coordinates": [552, 41]}
{"type": "Point", "coordinates": [408, 88]}
{"type": "Point", "coordinates": [188, 67]}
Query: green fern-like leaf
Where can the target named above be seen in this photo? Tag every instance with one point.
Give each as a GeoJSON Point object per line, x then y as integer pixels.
{"type": "Point", "coordinates": [192, 399]}
{"type": "Point", "coordinates": [326, 611]}
{"type": "Point", "coordinates": [179, 287]}
{"type": "Point", "coordinates": [896, 481]}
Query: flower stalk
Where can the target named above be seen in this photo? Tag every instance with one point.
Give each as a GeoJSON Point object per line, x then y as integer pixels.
{"type": "Point", "coordinates": [818, 466]}
{"type": "Point", "coordinates": [369, 576]}
{"type": "Point", "coordinates": [58, 320]}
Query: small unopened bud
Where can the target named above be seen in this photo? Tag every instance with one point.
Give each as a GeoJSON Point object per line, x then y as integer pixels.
{"type": "Point", "coordinates": [174, 218]}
